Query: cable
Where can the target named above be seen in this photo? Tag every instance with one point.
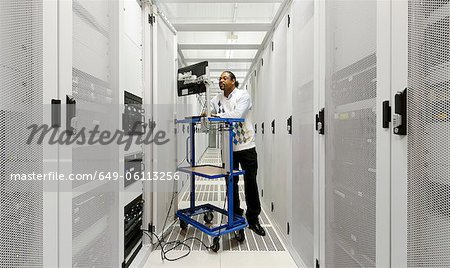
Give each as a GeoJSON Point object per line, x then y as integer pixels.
{"type": "Point", "coordinates": [176, 243]}
{"type": "Point", "coordinates": [162, 244]}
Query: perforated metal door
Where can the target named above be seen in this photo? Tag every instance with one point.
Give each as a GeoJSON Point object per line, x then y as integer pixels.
{"type": "Point", "coordinates": [21, 98]}
{"type": "Point", "coordinates": [282, 144]}
{"type": "Point", "coordinates": [302, 226]}
{"type": "Point", "coordinates": [267, 138]}
{"type": "Point", "coordinates": [94, 87]}
{"type": "Point", "coordinates": [428, 134]}
{"type": "Point", "coordinates": [351, 134]}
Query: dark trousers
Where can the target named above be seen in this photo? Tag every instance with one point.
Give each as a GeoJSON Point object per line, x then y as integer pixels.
{"type": "Point", "coordinates": [249, 163]}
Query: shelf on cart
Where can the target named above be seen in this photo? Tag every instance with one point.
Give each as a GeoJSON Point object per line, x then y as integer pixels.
{"type": "Point", "coordinates": [190, 120]}
{"type": "Point", "coordinates": [209, 171]}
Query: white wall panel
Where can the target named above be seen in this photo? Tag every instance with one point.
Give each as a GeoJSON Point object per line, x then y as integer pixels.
{"type": "Point", "coordinates": [164, 112]}
{"type": "Point", "coordinates": [132, 23]}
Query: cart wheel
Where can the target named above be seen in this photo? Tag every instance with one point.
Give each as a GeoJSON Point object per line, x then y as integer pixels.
{"type": "Point", "coordinates": [216, 244]}
{"type": "Point", "coordinates": [183, 225]}
{"type": "Point", "coordinates": [240, 235]}
{"type": "Point", "coordinates": [208, 217]}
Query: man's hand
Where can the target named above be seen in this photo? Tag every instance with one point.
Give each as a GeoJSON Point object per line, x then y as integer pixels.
{"type": "Point", "coordinates": [212, 115]}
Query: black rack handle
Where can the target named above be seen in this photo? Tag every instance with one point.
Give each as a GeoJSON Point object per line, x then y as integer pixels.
{"type": "Point", "coordinates": [56, 113]}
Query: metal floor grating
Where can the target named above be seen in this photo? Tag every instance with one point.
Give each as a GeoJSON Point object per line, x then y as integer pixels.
{"type": "Point", "coordinates": [214, 191]}
{"type": "Point", "coordinates": [253, 242]}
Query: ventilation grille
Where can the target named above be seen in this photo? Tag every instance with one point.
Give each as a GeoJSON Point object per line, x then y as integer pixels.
{"type": "Point", "coordinates": [21, 211]}
{"type": "Point", "coordinates": [252, 242]}
{"type": "Point", "coordinates": [94, 208]}
{"type": "Point", "coordinates": [351, 93]}
{"type": "Point", "coordinates": [429, 134]}
{"type": "Point", "coordinates": [351, 170]}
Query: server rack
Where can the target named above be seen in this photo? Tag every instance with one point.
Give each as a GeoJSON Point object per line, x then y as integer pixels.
{"type": "Point", "coordinates": [44, 60]}
{"type": "Point", "coordinates": [350, 97]}
{"type": "Point", "coordinates": [24, 101]}
{"type": "Point", "coordinates": [420, 219]}
{"type": "Point", "coordinates": [89, 77]}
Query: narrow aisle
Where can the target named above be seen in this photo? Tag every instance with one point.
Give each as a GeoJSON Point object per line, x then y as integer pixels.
{"type": "Point", "coordinates": [255, 251]}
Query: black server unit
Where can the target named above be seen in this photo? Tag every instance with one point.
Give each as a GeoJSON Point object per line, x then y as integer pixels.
{"type": "Point", "coordinates": [133, 168]}
{"type": "Point", "coordinates": [133, 120]}
{"type": "Point", "coordinates": [133, 213]}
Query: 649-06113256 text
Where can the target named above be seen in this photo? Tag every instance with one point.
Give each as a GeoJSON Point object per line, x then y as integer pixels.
{"type": "Point", "coordinates": [97, 175]}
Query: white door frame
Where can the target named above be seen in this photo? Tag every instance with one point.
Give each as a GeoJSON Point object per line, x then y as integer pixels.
{"type": "Point", "coordinates": [50, 152]}
{"type": "Point", "coordinates": [399, 67]}
{"type": "Point", "coordinates": [147, 37]}
{"type": "Point", "coordinates": [319, 140]}
{"type": "Point", "coordinates": [383, 136]}
{"type": "Point", "coordinates": [65, 31]}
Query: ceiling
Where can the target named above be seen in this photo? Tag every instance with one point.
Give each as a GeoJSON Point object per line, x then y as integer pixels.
{"type": "Point", "coordinates": [228, 33]}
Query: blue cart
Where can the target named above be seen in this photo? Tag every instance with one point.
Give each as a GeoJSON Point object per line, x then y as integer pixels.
{"type": "Point", "coordinates": [236, 223]}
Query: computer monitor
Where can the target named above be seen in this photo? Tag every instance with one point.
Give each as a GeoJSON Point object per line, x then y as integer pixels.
{"type": "Point", "coordinates": [187, 85]}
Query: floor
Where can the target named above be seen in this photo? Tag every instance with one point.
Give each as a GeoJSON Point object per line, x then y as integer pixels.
{"type": "Point", "coordinates": [255, 251]}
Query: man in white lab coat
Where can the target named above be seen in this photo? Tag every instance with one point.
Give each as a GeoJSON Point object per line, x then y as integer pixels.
{"type": "Point", "coordinates": [235, 103]}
